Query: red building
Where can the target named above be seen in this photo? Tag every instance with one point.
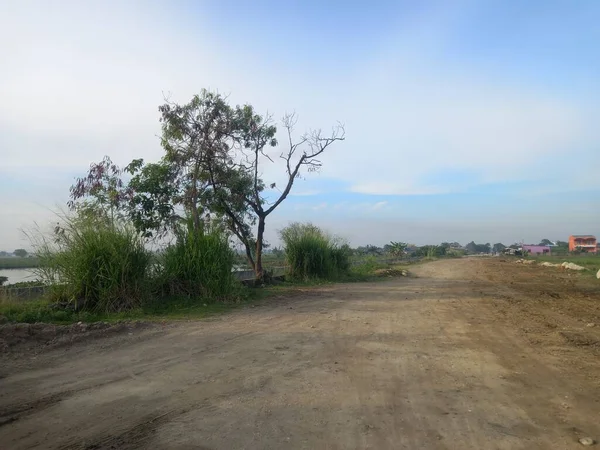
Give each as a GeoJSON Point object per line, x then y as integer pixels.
{"type": "Point", "coordinates": [583, 242]}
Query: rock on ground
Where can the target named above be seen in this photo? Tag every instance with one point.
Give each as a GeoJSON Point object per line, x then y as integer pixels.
{"type": "Point", "coordinates": [549, 264]}
{"type": "Point", "coordinates": [572, 266]}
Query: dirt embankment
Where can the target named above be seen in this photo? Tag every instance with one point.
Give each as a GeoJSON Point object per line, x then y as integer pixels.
{"type": "Point", "coordinates": [470, 353]}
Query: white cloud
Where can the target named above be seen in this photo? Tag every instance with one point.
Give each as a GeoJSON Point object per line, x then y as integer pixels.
{"type": "Point", "coordinates": [379, 205]}
{"type": "Point", "coordinates": [305, 193]}
{"type": "Point", "coordinates": [81, 80]}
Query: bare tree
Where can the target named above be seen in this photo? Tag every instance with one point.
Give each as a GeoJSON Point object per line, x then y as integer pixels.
{"type": "Point", "coordinates": [300, 154]}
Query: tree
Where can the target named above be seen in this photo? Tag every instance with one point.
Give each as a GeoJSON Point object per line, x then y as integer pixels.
{"type": "Point", "coordinates": [277, 252]}
{"type": "Point", "coordinates": [217, 153]}
{"type": "Point", "coordinates": [153, 198]}
{"type": "Point", "coordinates": [101, 192]}
{"type": "Point", "coordinates": [397, 248]}
{"type": "Point", "coordinates": [20, 252]}
{"type": "Point", "coordinates": [472, 247]}
{"type": "Point", "coordinates": [369, 250]}
{"type": "Point", "coordinates": [546, 242]}
{"type": "Point", "coordinates": [498, 247]}
{"type": "Point", "coordinates": [430, 251]}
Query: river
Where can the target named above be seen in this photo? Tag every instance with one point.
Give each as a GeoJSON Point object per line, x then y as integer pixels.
{"type": "Point", "coordinates": [17, 275]}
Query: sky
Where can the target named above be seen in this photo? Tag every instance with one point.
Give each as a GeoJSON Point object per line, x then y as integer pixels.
{"type": "Point", "coordinates": [465, 120]}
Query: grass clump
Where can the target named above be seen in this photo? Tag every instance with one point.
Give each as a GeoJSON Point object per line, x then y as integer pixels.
{"type": "Point", "coordinates": [96, 264]}
{"type": "Point", "coordinates": [199, 264]}
{"type": "Point", "coordinates": [312, 254]}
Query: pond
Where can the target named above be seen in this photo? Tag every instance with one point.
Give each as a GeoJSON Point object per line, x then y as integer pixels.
{"type": "Point", "coordinates": [17, 275]}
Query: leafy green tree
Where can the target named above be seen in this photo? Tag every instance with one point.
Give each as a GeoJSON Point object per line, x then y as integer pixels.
{"type": "Point", "coordinates": [101, 192]}
{"type": "Point", "coordinates": [219, 152]}
{"type": "Point", "coordinates": [211, 172]}
{"type": "Point", "coordinates": [20, 252]}
{"type": "Point", "coordinates": [498, 247]}
{"type": "Point", "coordinates": [430, 251]}
{"type": "Point", "coordinates": [472, 247]}
{"type": "Point", "coordinates": [546, 242]}
{"type": "Point", "coordinates": [154, 196]}
{"type": "Point", "coordinates": [397, 248]}
{"type": "Point", "coordinates": [369, 250]}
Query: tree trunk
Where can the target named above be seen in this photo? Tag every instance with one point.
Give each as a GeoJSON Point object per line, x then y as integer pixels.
{"type": "Point", "coordinates": [258, 268]}
{"type": "Point", "coordinates": [249, 255]}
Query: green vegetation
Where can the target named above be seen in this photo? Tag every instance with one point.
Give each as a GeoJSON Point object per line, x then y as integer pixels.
{"type": "Point", "coordinates": [97, 264]}
{"type": "Point", "coordinates": [213, 156]}
{"type": "Point", "coordinates": [173, 308]}
{"type": "Point", "coordinates": [591, 262]}
{"type": "Point", "coordinates": [366, 268]}
{"type": "Point", "coordinates": [19, 263]}
{"type": "Point", "coordinates": [199, 264]}
{"type": "Point", "coordinates": [311, 254]}
{"type": "Point", "coordinates": [24, 284]}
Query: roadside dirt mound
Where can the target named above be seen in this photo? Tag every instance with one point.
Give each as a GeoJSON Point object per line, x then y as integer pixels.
{"type": "Point", "coordinates": [31, 337]}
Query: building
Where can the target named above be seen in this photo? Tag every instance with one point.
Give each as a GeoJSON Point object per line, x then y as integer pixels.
{"type": "Point", "coordinates": [583, 242]}
{"type": "Point", "coordinates": [537, 249]}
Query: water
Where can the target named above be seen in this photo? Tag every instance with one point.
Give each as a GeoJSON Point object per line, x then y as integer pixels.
{"type": "Point", "coordinates": [17, 275]}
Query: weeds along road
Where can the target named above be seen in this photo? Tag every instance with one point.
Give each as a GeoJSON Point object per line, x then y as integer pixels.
{"type": "Point", "coordinates": [451, 359]}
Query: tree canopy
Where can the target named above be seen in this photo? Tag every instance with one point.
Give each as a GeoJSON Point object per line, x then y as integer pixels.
{"type": "Point", "coordinates": [211, 172]}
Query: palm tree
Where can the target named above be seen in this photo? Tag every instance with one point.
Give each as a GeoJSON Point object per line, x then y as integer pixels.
{"type": "Point", "coordinates": [397, 248]}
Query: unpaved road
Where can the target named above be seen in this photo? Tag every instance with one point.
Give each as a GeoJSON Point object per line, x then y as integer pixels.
{"type": "Point", "coordinates": [445, 360]}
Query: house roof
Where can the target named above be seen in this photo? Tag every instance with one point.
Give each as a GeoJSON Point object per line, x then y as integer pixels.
{"type": "Point", "coordinates": [584, 236]}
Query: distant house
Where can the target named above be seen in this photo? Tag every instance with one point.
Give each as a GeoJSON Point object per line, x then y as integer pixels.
{"type": "Point", "coordinates": [537, 249]}
{"type": "Point", "coordinates": [583, 242]}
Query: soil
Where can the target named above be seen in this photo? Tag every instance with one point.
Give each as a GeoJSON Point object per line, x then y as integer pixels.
{"type": "Point", "coordinates": [473, 353]}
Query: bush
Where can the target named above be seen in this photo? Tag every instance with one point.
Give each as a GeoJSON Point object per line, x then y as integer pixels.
{"type": "Point", "coordinates": [431, 251]}
{"type": "Point", "coordinates": [99, 265]}
{"type": "Point", "coordinates": [198, 264]}
{"type": "Point", "coordinates": [367, 267]}
{"type": "Point", "coordinates": [312, 254]}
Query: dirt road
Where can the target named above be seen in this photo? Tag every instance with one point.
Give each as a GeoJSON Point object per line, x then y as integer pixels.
{"type": "Point", "coordinates": [450, 359]}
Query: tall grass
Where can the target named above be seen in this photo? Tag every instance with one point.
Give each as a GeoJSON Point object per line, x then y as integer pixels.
{"type": "Point", "coordinates": [96, 264]}
{"type": "Point", "coordinates": [199, 264]}
{"type": "Point", "coordinates": [312, 254]}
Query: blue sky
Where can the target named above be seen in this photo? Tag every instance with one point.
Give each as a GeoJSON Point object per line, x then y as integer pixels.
{"type": "Point", "coordinates": [465, 120]}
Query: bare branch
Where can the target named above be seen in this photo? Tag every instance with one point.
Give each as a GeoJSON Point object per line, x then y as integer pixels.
{"type": "Point", "coordinates": [316, 143]}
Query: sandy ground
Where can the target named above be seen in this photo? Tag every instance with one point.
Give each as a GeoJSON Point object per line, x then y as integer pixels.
{"type": "Point", "coordinates": [469, 354]}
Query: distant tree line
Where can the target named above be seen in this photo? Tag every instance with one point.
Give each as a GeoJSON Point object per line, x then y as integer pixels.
{"type": "Point", "coordinates": [20, 252]}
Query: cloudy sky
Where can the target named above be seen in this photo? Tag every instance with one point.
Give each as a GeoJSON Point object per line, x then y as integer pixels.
{"type": "Point", "coordinates": [465, 120]}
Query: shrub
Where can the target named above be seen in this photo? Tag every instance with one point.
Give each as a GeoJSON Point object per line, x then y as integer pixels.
{"type": "Point", "coordinates": [198, 264]}
{"type": "Point", "coordinates": [367, 266]}
{"type": "Point", "coordinates": [431, 251]}
{"type": "Point", "coordinates": [98, 264]}
{"type": "Point", "coordinates": [310, 253]}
